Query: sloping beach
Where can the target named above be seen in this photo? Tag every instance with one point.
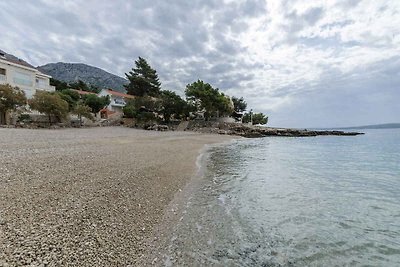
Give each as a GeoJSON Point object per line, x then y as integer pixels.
{"type": "Point", "coordinates": [88, 197]}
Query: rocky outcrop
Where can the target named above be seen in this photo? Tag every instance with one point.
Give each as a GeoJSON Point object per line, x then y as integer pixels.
{"type": "Point", "coordinates": [254, 131]}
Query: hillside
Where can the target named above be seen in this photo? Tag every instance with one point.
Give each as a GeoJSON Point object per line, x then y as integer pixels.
{"type": "Point", "coordinates": [376, 126]}
{"type": "Point", "coordinates": [72, 72]}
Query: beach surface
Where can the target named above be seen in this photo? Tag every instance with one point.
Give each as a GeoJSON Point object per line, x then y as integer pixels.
{"type": "Point", "coordinates": [89, 197]}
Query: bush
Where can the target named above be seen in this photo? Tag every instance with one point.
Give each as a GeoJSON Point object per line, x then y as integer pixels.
{"type": "Point", "coordinates": [129, 112]}
{"type": "Point", "coordinates": [50, 104]}
{"type": "Point", "coordinates": [24, 118]}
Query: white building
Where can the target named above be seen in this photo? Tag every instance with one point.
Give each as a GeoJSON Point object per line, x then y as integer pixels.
{"type": "Point", "coordinates": [19, 73]}
{"type": "Point", "coordinates": [118, 100]}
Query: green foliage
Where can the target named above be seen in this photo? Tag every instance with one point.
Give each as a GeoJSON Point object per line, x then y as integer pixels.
{"type": "Point", "coordinates": [143, 80]}
{"type": "Point", "coordinates": [81, 85]}
{"type": "Point", "coordinates": [149, 103]}
{"type": "Point", "coordinates": [142, 108]}
{"type": "Point", "coordinates": [70, 96]}
{"type": "Point", "coordinates": [129, 111]}
{"type": "Point", "coordinates": [172, 105]}
{"type": "Point", "coordinates": [208, 98]}
{"type": "Point", "coordinates": [95, 102]}
{"type": "Point", "coordinates": [11, 98]}
{"type": "Point", "coordinates": [239, 105]}
{"type": "Point", "coordinates": [258, 118]}
{"type": "Point", "coordinates": [60, 85]}
{"type": "Point", "coordinates": [83, 110]}
{"type": "Point", "coordinates": [24, 118]}
{"type": "Point", "coordinates": [145, 117]}
{"type": "Point", "coordinates": [50, 104]}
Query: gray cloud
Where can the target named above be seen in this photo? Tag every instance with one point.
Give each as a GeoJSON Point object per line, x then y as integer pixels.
{"type": "Point", "coordinates": [287, 58]}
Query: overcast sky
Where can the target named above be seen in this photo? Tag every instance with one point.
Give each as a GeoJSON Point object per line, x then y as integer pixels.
{"type": "Point", "coordinates": [304, 63]}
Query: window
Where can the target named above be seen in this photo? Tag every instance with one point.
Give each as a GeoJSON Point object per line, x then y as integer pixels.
{"type": "Point", "coordinates": [22, 79]}
{"type": "Point", "coordinates": [41, 83]}
{"type": "Point", "coordinates": [2, 74]}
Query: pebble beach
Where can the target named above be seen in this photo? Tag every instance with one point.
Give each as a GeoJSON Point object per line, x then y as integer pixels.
{"type": "Point", "coordinates": [91, 196]}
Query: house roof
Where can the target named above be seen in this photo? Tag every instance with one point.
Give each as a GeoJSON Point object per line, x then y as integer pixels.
{"type": "Point", "coordinates": [83, 92]}
{"type": "Point", "coordinates": [111, 92]}
{"type": "Point", "coordinates": [14, 59]}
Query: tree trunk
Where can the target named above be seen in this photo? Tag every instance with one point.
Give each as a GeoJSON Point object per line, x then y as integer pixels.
{"type": "Point", "coordinates": [2, 117]}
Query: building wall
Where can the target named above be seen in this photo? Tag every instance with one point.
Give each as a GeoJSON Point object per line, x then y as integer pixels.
{"type": "Point", "coordinates": [27, 79]}
{"type": "Point", "coordinates": [116, 103]}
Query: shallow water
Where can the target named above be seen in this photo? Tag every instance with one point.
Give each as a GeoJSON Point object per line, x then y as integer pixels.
{"type": "Point", "coordinates": [323, 201]}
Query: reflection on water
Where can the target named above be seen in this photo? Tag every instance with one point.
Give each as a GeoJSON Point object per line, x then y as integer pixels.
{"type": "Point", "coordinates": [321, 201]}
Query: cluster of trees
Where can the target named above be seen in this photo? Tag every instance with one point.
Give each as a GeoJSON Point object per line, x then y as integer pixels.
{"type": "Point", "coordinates": [145, 85]}
{"type": "Point", "coordinates": [54, 104]}
{"type": "Point", "coordinates": [79, 85]}
{"type": "Point", "coordinates": [149, 99]}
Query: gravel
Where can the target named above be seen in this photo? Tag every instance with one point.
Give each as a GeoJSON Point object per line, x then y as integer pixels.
{"type": "Point", "coordinates": [88, 197]}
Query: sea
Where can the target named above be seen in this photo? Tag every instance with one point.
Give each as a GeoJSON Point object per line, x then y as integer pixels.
{"type": "Point", "coordinates": [277, 201]}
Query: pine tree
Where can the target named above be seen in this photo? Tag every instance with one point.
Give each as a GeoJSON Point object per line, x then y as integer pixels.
{"type": "Point", "coordinates": [143, 80]}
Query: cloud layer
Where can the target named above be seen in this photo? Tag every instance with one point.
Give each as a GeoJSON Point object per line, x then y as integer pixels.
{"type": "Point", "coordinates": [305, 63]}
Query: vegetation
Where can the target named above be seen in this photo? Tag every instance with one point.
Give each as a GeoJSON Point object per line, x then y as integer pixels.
{"type": "Point", "coordinates": [11, 98]}
{"type": "Point", "coordinates": [209, 99]}
{"type": "Point", "coordinates": [239, 105]}
{"type": "Point", "coordinates": [172, 106]}
{"type": "Point", "coordinates": [255, 118]}
{"type": "Point", "coordinates": [50, 104]}
{"type": "Point", "coordinates": [142, 104]}
{"type": "Point", "coordinates": [96, 103]}
{"type": "Point", "coordinates": [59, 85]}
{"type": "Point", "coordinates": [79, 85]}
{"type": "Point", "coordinates": [83, 111]}
{"type": "Point", "coordinates": [70, 96]}
{"type": "Point", "coordinates": [143, 80]}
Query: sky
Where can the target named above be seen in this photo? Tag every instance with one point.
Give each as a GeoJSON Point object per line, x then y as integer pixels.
{"type": "Point", "coordinates": [320, 63]}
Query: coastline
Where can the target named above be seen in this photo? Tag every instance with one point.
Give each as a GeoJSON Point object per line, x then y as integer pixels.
{"type": "Point", "coordinates": [90, 196]}
{"type": "Point", "coordinates": [160, 242]}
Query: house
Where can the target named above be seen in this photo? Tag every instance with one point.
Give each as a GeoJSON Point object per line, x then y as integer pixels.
{"type": "Point", "coordinates": [19, 73]}
{"type": "Point", "coordinates": [117, 100]}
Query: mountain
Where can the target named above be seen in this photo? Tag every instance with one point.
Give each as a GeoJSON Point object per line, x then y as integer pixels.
{"type": "Point", "coordinates": [376, 126]}
{"type": "Point", "coordinates": [72, 72]}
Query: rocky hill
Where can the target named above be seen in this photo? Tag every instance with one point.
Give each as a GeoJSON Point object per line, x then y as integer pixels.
{"type": "Point", "coordinates": [72, 72]}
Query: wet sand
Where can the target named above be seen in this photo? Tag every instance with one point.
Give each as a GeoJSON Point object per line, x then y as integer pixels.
{"type": "Point", "coordinates": [89, 197]}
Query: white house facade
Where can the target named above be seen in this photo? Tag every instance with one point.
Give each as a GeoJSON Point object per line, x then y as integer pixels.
{"type": "Point", "coordinates": [19, 73]}
{"type": "Point", "coordinates": [117, 100]}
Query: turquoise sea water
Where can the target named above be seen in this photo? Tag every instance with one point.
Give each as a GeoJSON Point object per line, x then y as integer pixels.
{"type": "Point", "coordinates": [323, 201]}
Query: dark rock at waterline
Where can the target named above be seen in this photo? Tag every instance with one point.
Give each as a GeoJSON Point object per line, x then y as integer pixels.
{"type": "Point", "coordinates": [255, 132]}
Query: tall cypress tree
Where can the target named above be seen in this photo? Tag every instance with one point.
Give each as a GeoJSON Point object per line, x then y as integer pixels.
{"type": "Point", "coordinates": [143, 80]}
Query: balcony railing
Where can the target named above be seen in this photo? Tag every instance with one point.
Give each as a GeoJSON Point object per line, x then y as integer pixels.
{"type": "Point", "coordinates": [118, 102]}
{"type": "Point", "coordinates": [45, 87]}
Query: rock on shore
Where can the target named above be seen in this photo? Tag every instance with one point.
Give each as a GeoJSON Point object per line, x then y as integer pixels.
{"type": "Point", "coordinates": [257, 131]}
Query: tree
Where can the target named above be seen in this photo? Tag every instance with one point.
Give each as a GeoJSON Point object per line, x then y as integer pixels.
{"type": "Point", "coordinates": [172, 105]}
{"type": "Point", "coordinates": [82, 86]}
{"type": "Point", "coordinates": [11, 98]}
{"type": "Point", "coordinates": [208, 98]}
{"type": "Point", "coordinates": [95, 102]}
{"type": "Point", "coordinates": [71, 96]}
{"type": "Point", "coordinates": [50, 104]}
{"type": "Point", "coordinates": [257, 118]}
{"type": "Point", "coordinates": [142, 108]}
{"type": "Point", "coordinates": [83, 111]}
{"type": "Point", "coordinates": [60, 85]}
{"type": "Point", "coordinates": [239, 105]}
{"type": "Point", "coordinates": [143, 80]}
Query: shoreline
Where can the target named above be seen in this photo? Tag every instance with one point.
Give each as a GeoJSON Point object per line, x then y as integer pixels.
{"type": "Point", "coordinates": [93, 196]}
{"type": "Point", "coordinates": [163, 234]}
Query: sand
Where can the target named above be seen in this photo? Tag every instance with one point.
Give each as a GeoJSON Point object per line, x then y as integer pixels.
{"type": "Point", "coordinates": [89, 197]}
